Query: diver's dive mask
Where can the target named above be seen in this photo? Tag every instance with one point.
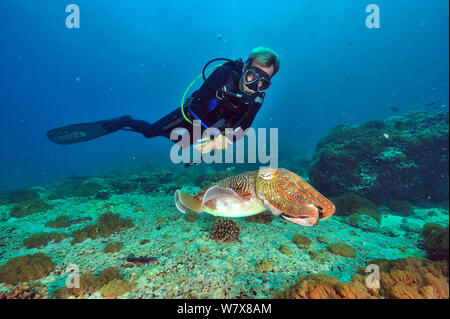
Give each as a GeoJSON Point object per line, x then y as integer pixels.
{"type": "Point", "coordinates": [255, 79]}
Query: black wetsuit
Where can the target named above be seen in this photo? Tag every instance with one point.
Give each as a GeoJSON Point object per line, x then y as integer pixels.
{"type": "Point", "coordinates": [209, 106]}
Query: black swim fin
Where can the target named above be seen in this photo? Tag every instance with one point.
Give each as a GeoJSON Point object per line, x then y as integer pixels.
{"type": "Point", "coordinates": [83, 132]}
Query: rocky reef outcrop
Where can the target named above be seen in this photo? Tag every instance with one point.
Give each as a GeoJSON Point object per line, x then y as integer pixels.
{"type": "Point", "coordinates": [402, 158]}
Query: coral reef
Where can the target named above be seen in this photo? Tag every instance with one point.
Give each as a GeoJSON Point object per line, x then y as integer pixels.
{"type": "Point", "coordinates": [26, 268]}
{"type": "Point", "coordinates": [401, 207]}
{"type": "Point", "coordinates": [58, 222]}
{"type": "Point", "coordinates": [107, 224]}
{"type": "Point", "coordinates": [347, 204]}
{"type": "Point", "coordinates": [113, 247]}
{"type": "Point", "coordinates": [262, 218]}
{"type": "Point", "coordinates": [341, 249]}
{"type": "Point", "coordinates": [90, 283]}
{"type": "Point", "coordinates": [436, 240]}
{"type": "Point", "coordinates": [399, 158]}
{"type": "Point", "coordinates": [264, 265]}
{"type": "Point", "coordinates": [116, 288]}
{"type": "Point", "coordinates": [26, 291]}
{"type": "Point", "coordinates": [26, 208]}
{"type": "Point", "coordinates": [225, 230]}
{"type": "Point", "coordinates": [409, 278]}
{"type": "Point", "coordinates": [191, 217]}
{"type": "Point", "coordinates": [21, 196]}
{"type": "Point", "coordinates": [302, 242]}
{"type": "Point", "coordinates": [284, 250]}
{"type": "Point", "coordinates": [40, 240]}
{"type": "Point", "coordinates": [75, 188]}
{"type": "Point", "coordinates": [363, 222]}
{"type": "Point", "coordinates": [103, 195]}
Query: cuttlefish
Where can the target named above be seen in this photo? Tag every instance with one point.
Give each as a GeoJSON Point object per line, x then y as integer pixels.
{"type": "Point", "coordinates": [276, 190]}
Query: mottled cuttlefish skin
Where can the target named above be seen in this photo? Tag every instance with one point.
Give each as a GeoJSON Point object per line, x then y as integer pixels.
{"type": "Point", "coordinates": [277, 190]}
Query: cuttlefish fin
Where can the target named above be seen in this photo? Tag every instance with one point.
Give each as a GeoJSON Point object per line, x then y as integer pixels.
{"type": "Point", "coordinates": [217, 192]}
{"type": "Point", "coordinates": [185, 202]}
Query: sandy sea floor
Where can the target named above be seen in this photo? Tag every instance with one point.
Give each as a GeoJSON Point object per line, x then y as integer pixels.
{"type": "Point", "coordinates": [189, 263]}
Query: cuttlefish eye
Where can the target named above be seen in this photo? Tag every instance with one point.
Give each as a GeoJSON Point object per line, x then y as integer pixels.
{"type": "Point", "coordinates": [266, 173]}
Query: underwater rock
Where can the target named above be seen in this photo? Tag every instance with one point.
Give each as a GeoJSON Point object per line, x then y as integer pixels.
{"type": "Point", "coordinates": [26, 291]}
{"type": "Point", "coordinates": [40, 240]}
{"type": "Point", "coordinates": [225, 230]}
{"type": "Point", "coordinates": [26, 208]}
{"type": "Point", "coordinates": [284, 250]}
{"type": "Point", "coordinates": [264, 266]}
{"type": "Point", "coordinates": [347, 204]}
{"type": "Point", "coordinates": [400, 207]}
{"type": "Point", "coordinates": [436, 240]}
{"type": "Point", "coordinates": [341, 249]}
{"type": "Point", "coordinates": [103, 195]}
{"type": "Point", "coordinates": [75, 188]}
{"type": "Point", "coordinates": [262, 218]}
{"type": "Point", "coordinates": [107, 224]}
{"type": "Point", "coordinates": [363, 222]}
{"type": "Point", "coordinates": [90, 283]}
{"type": "Point", "coordinates": [191, 217]}
{"type": "Point", "coordinates": [58, 222]}
{"type": "Point", "coordinates": [20, 196]}
{"type": "Point", "coordinates": [408, 278]}
{"type": "Point", "coordinates": [302, 242]}
{"type": "Point", "coordinates": [113, 247]}
{"type": "Point", "coordinates": [26, 268]}
{"type": "Point", "coordinates": [116, 288]}
{"type": "Point", "coordinates": [411, 163]}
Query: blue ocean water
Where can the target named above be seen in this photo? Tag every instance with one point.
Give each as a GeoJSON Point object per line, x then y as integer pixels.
{"type": "Point", "coordinates": [363, 151]}
{"type": "Point", "coordinates": [138, 57]}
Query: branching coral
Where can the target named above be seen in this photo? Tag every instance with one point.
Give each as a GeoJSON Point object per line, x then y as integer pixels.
{"type": "Point", "coordinates": [409, 278]}
{"type": "Point", "coordinates": [225, 230]}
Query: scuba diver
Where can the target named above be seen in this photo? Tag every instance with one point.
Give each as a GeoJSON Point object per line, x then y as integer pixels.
{"type": "Point", "coordinates": [228, 101]}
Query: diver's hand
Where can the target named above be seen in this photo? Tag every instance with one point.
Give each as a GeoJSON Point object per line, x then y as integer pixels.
{"type": "Point", "coordinates": [206, 145]}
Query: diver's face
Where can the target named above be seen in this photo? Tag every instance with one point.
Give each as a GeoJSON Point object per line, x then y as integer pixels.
{"type": "Point", "coordinates": [268, 69]}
